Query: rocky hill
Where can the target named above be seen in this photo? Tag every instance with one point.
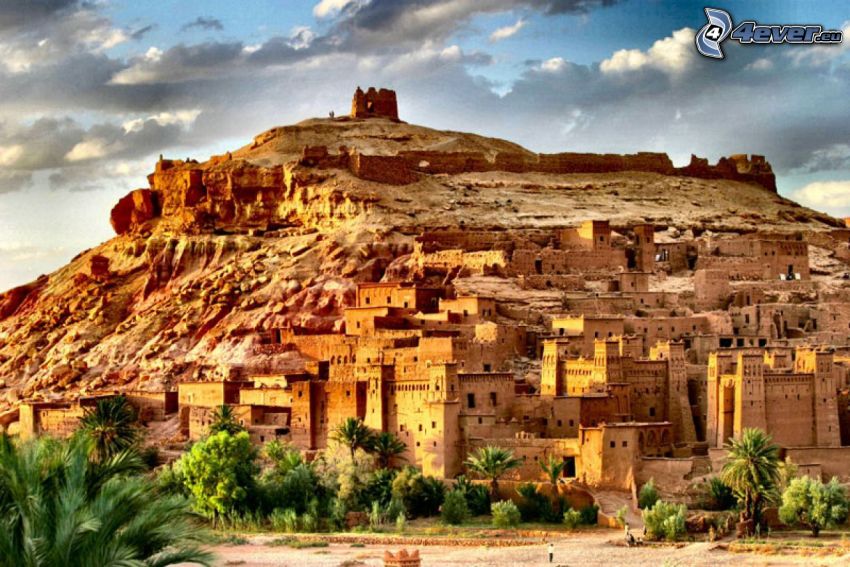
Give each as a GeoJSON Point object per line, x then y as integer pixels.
{"type": "Point", "coordinates": [213, 255]}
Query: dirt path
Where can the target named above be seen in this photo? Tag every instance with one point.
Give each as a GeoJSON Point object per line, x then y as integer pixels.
{"type": "Point", "coordinates": [598, 548]}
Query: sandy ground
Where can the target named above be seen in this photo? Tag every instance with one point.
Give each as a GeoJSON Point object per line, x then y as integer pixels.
{"type": "Point", "coordinates": [585, 549]}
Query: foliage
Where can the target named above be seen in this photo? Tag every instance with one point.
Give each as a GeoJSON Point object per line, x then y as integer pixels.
{"type": "Point", "coordinates": [60, 507]}
{"type": "Point", "coordinates": [386, 448]}
{"type": "Point", "coordinates": [289, 488]}
{"type": "Point", "coordinates": [339, 474]}
{"type": "Point", "coordinates": [220, 473]}
{"type": "Point", "coordinates": [813, 504]}
{"type": "Point", "coordinates": [492, 463]}
{"type": "Point", "coordinates": [379, 487]}
{"type": "Point", "coordinates": [621, 516]}
{"type": "Point", "coordinates": [752, 471]}
{"type": "Point", "coordinates": [572, 518]}
{"type": "Point", "coordinates": [169, 480]}
{"type": "Point", "coordinates": [354, 434]}
{"type": "Point", "coordinates": [534, 505]}
{"type": "Point", "coordinates": [477, 497]}
{"type": "Point", "coordinates": [665, 521]}
{"type": "Point", "coordinates": [648, 495]}
{"type": "Point", "coordinates": [455, 510]}
{"type": "Point", "coordinates": [281, 456]}
{"type": "Point", "coordinates": [400, 522]}
{"type": "Point", "coordinates": [589, 515]}
{"type": "Point", "coordinates": [284, 520]}
{"type": "Point", "coordinates": [224, 420]}
{"type": "Point", "coordinates": [376, 516]}
{"type": "Point", "coordinates": [112, 425]}
{"type": "Point", "coordinates": [553, 468]}
{"type": "Point", "coordinates": [421, 495]}
{"type": "Point", "coordinates": [505, 514]}
{"type": "Point", "coordinates": [718, 495]}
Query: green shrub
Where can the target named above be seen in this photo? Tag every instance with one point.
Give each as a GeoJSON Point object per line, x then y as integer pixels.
{"type": "Point", "coordinates": [718, 495]}
{"type": "Point", "coordinates": [665, 521]}
{"type": "Point", "coordinates": [421, 495]}
{"type": "Point", "coordinates": [621, 516]}
{"type": "Point", "coordinates": [505, 514]}
{"type": "Point", "coordinates": [309, 522]}
{"type": "Point", "coordinates": [376, 517]}
{"type": "Point", "coordinates": [284, 520]}
{"type": "Point", "coordinates": [455, 510]}
{"type": "Point", "coordinates": [811, 503]}
{"type": "Point", "coordinates": [648, 495]}
{"type": "Point", "coordinates": [400, 522]}
{"type": "Point", "coordinates": [336, 515]}
{"type": "Point", "coordinates": [477, 497]}
{"type": "Point", "coordinates": [379, 487]}
{"type": "Point", "coordinates": [534, 506]}
{"type": "Point", "coordinates": [589, 515]}
{"type": "Point", "coordinates": [572, 518]}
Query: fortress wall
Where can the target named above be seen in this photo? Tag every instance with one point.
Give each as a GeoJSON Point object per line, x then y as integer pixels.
{"type": "Point", "coordinates": [392, 170]}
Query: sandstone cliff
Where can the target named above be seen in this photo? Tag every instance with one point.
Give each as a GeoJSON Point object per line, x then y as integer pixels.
{"type": "Point", "coordinates": [213, 254]}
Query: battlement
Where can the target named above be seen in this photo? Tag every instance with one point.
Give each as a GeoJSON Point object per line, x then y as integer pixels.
{"type": "Point", "coordinates": [374, 104]}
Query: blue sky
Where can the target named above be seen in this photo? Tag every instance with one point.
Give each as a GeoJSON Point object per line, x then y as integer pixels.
{"type": "Point", "coordinates": [91, 92]}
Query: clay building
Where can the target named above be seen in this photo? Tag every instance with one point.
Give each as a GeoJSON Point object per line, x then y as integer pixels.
{"type": "Point", "coordinates": [374, 104]}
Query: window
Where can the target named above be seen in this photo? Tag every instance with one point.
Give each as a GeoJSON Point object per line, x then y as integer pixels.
{"type": "Point", "coordinates": [487, 368]}
{"type": "Point", "coordinates": [651, 412]}
{"type": "Point", "coordinates": [368, 300]}
{"type": "Point", "coordinates": [613, 444]}
{"type": "Point", "coordinates": [470, 401]}
{"type": "Point", "coordinates": [571, 423]}
{"type": "Point", "coordinates": [492, 398]}
{"type": "Point", "coordinates": [433, 425]}
{"type": "Point", "coordinates": [625, 443]}
{"type": "Point", "coordinates": [560, 423]}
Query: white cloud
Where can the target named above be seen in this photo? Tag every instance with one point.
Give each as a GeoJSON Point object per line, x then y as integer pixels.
{"type": "Point", "coordinates": [183, 118]}
{"type": "Point", "coordinates": [670, 54]}
{"type": "Point", "coordinates": [761, 64]}
{"type": "Point", "coordinates": [327, 8]}
{"type": "Point", "coordinates": [507, 31]}
{"type": "Point", "coordinates": [10, 154]}
{"type": "Point", "coordinates": [553, 65]}
{"type": "Point", "coordinates": [829, 196]}
{"type": "Point", "coordinates": [88, 149]}
{"type": "Point", "coordinates": [301, 37]}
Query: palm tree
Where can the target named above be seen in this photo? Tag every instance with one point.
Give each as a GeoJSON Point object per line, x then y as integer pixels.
{"type": "Point", "coordinates": [112, 425]}
{"type": "Point", "coordinates": [224, 420]}
{"type": "Point", "coordinates": [388, 447]}
{"type": "Point", "coordinates": [491, 463]}
{"type": "Point", "coordinates": [553, 468]}
{"type": "Point", "coordinates": [60, 507]}
{"type": "Point", "coordinates": [752, 471]}
{"type": "Point", "coordinates": [354, 434]}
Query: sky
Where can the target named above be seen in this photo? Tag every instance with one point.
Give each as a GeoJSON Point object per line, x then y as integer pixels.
{"type": "Point", "coordinates": [92, 91]}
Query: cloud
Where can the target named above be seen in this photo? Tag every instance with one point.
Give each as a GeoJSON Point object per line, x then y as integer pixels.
{"type": "Point", "coordinates": [14, 180]}
{"type": "Point", "coordinates": [140, 33]}
{"type": "Point", "coordinates": [203, 23]}
{"type": "Point", "coordinates": [830, 196]}
{"type": "Point", "coordinates": [15, 15]}
{"type": "Point", "coordinates": [507, 31]}
{"type": "Point", "coordinates": [329, 8]}
{"type": "Point", "coordinates": [671, 54]}
{"type": "Point", "coordinates": [87, 150]}
{"type": "Point", "coordinates": [553, 65]}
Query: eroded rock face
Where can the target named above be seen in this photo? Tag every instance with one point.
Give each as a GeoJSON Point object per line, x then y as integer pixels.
{"type": "Point", "coordinates": [277, 234]}
{"type": "Point", "coordinates": [133, 210]}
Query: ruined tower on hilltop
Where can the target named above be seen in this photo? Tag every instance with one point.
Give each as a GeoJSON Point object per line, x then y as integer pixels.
{"type": "Point", "coordinates": [374, 104]}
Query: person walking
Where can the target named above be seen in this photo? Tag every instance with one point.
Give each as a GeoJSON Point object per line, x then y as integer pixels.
{"type": "Point", "coordinates": [551, 552]}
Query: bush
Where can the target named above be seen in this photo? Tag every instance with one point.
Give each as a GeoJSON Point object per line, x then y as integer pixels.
{"type": "Point", "coordinates": [648, 495]}
{"type": "Point", "coordinates": [810, 503]}
{"type": "Point", "coordinates": [505, 514]}
{"type": "Point", "coordinates": [572, 518]}
{"type": "Point", "coordinates": [665, 521]}
{"type": "Point", "coordinates": [534, 506]}
{"type": "Point", "coordinates": [718, 495]}
{"type": "Point", "coordinates": [455, 510]}
{"type": "Point", "coordinates": [376, 517]}
{"type": "Point", "coordinates": [589, 515]}
{"type": "Point", "coordinates": [284, 520]}
{"type": "Point", "coordinates": [621, 516]}
{"type": "Point", "coordinates": [379, 487]}
{"type": "Point", "coordinates": [220, 473]}
{"type": "Point", "coordinates": [421, 495]}
{"type": "Point", "coordinates": [400, 522]}
{"type": "Point", "coordinates": [477, 496]}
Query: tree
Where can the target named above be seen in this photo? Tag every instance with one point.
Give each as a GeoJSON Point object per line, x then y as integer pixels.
{"type": "Point", "coordinates": [387, 447]}
{"type": "Point", "coordinates": [492, 463]}
{"type": "Point", "coordinates": [354, 434]}
{"type": "Point", "coordinates": [553, 468]}
{"type": "Point", "coordinates": [648, 495]}
{"type": "Point", "coordinates": [752, 471]}
{"type": "Point", "coordinates": [220, 473]}
{"type": "Point", "coordinates": [224, 420]}
{"type": "Point", "coordinates": [60, 507]}
{"type": "Point", "coordinates": [112, 425]}
{"type": "Point", "coordinates": [813, 504]}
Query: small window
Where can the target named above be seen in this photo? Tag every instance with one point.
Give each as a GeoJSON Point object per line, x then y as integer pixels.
{"type": "Point", "coordinates": [560, 423]}
{"type": "Point", "coordinates": [492, 398]}
{"type": "Point", "coordinates": [433, 425]}
{"type": "Point", "coordinates": [625, 443]}
{"type": "Point", "coordinates": [470, 401]}
{"type": "Point", "coordinates": [613, 444]}
{"type": "Point", "coordinates": [571, 423]}
{"type": "Point", "coordinates": [651, 412]}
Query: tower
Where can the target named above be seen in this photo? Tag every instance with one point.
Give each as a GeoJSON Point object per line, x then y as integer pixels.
{"type": "Point", "coordinates": [551, 370]}
{"type": "Point", "coordinates": [678, 404]}
{"type": "Point", "coordinates": [819, 363]}
{"type": "Point", "coordinates": [645, 244]}
{"type": "Point", "coordinates": [749, 393]}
